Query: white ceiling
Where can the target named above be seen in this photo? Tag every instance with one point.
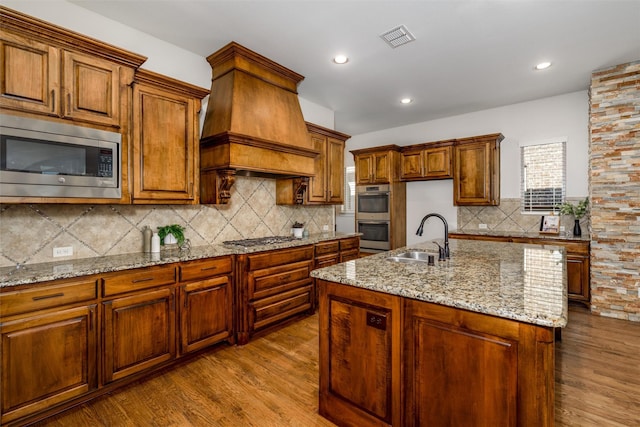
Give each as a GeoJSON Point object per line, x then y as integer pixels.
{"type": "Point", "coordinates": [468, 55]}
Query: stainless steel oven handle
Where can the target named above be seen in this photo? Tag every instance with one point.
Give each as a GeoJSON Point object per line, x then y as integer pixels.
{"type": "Point", "coordinates": [373, 222]}
{"type": "Point", "coordinates": [374, 193]}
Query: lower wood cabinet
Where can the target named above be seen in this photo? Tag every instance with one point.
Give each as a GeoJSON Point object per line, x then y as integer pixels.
{"type": "Point", "coordinates": [273, 287]}
{"type": "Point", "coordinates": [70, 340]}
{"type": "Point", "coordinates": [360, 350]}
{"type": "Point", "coordinates": [139, 332]}
{"type": "Point", "coordinates": [455, 374]}
{"type": "Point", "coordinates": [47, 359]}
{"type": "Point", "coordinates": [386, 360]}
{"type": "Point", "coordinates": [205, 303]}
{"type": "Point", "coordinates": [349, 249]}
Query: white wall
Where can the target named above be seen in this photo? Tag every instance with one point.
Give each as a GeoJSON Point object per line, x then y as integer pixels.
{"type": "Point", "coordinates": [163, 58]}
{"type": "Point", "coordinates": [540, 120]}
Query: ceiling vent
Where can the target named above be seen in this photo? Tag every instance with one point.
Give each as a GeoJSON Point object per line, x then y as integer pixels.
{"type": "Point", "coordinates": [397, 36]}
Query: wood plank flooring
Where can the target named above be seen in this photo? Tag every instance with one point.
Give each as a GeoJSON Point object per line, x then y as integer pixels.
{"type": "Point", "coordinates": [273, 381]}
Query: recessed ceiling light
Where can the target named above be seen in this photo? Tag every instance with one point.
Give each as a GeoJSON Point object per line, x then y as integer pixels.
{"type": "Point", "coordinates": [543, 65]}
{"type": "Point", "coordinates": [406, 101]}
{"type": "Point", "coordinates": [341, 59]}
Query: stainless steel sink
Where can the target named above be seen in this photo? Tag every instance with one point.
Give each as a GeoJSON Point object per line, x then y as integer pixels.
{"type": "Point", "coordinates": [413, 256]}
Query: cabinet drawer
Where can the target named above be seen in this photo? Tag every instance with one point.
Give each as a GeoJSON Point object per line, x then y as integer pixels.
{"type": "Point", "coordinates": [274, 309]}
{"type": "Point", "coordinates": [279, 257]}
{"type": "Point", "coordinates": [27, 300]}
{"type": "Point", "coordinates": [206, 268]}
{"type": "Point", "coordinates": [135, 280]}
{"type": "Point", "coordinates": [327, 260]}
{"type": "Point", "coordinates": [347, 244]}
{"type": "Point", "coordinates": [349, 255]}
{"type": "Point", "coordinates": [266, 282]}
{"type": "Point", "coordinates": [327, 248]}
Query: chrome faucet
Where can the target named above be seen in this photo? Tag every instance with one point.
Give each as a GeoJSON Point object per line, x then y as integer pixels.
{"type": "Point", "coordinates": [444, 252]}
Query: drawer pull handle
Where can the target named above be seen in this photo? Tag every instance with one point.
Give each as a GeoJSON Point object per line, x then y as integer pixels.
{"type": "Point", "coordinates": [60, 294]}
{"type": "Point", "coordinates": [209, 268]}
{"type": "Point", "coordinates": [146, 279]}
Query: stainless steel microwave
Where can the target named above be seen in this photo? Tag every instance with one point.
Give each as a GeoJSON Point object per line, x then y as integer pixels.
{"type": "Point", "coordinates": [39, 158]}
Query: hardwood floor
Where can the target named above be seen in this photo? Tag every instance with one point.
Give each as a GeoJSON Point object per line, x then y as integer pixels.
{"type": "Point", "coordinates": [273, 381]}
{"type": "Point", "coordinates": [598, 372]}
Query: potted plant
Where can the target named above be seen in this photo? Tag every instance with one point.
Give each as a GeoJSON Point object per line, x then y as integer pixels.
{"type": "Point", "coordinates": [577, 211]}
{"type": "Point", "coordinates": [171, 234]}
{"type": "Point", "coordinates": [298, 228]}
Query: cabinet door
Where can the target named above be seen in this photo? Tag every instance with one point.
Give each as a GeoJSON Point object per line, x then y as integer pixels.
{"type": "Point", "coordinates": [206, 315]}
{"type": "Point", "coordinates": [411, 166]}
{"type": "Point", "coordinates": [578, 286]}
{"type": "Point", "coordinates": [47, 359]}
{"type": "Point", "coordinates": [364, 168]}
{"type": "Point", "coordinates": [381, 168]}
{"type": "Point", "coordinates": [29, 75]}
{"type": "Point", "coordinates": [360, 340]}
{"type": "Point", "coordinates": [164, 155]}
{"type": "Point", "coordinates": [91, 89]}
{"type": "Point", "coordinates": [335, 171]}
{"type": "Point", "coordinates": [472, 184]}
{"type": "Point", "coordinates": [139, 333]}
{"type": "Point", "coordinates": [457, 376]}
{"type": "Point", "coordinates": [437, 163]}
{"type": "Point", "coordinates": [317, 189]}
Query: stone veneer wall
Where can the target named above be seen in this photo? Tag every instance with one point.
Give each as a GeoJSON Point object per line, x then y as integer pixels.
{"type": "Point", "coordinates": [28, 233]}
{"type": "Point", "coordinates": [507, 217]}
{"type": "Point", "coordinates": [614, 186]}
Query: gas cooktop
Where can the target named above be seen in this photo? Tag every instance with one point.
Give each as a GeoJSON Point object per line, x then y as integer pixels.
{"type": "Point", "coordinates": [258, 241]}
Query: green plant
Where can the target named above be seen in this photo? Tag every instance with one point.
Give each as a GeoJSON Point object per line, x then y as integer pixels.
{"type": "Point", "coordinates": [577, 211]}
{"type": "Point", "coordinates": [175, 229]}
{"type": "Point", "coordinates": [297, 225]}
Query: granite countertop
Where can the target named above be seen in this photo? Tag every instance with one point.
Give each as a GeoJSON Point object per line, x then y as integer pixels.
{"type": "Point", "coordinates": [35, 273]}
{"type": "Point", "coordinates": [522, 282]}
{"type": "Point", "coordinates": [566, 236]}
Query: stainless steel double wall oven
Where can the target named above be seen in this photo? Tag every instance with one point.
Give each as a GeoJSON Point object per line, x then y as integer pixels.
{"type": "Point", "coordinates": [373, 215]}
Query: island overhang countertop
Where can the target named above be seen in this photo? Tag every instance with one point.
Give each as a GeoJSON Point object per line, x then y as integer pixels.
{"type": "Point", "coordinates": [522, 282]}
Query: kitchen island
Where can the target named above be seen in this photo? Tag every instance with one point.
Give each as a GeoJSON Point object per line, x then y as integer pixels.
{"type": "Point", "coordinates": [466, 341]}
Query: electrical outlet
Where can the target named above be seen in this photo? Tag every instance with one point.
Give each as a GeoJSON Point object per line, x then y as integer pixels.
{"type": "Point", "coordinates": [63, 251]}
{"type": "Point", "coordinates": [483, 226]}
{"type": "Point", "coordinates": [325, 227]}
{"type": "Point", "coordinates": [562, 228]}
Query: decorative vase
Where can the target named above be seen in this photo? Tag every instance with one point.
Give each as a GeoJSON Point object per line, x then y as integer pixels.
{"type": "Point", "coordinates": [577, 231]}
{"type": "Point", "coordinates": [297, 232]}
{"type": "Point", "coordinates": [170, 239]}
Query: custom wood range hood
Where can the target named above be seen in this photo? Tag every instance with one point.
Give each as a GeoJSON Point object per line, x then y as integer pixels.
{"type": "Point", "coordinates": [253, 125]}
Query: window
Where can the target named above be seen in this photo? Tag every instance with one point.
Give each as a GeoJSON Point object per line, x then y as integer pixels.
{"type": "Point", "coordinates": [349, 191]}
{"type": "Point", "coordinates": [543, 176]}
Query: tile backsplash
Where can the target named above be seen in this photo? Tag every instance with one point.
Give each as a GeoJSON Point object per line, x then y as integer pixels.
{"type": "Point", "coordinates": [507, 217]}
{"type": "Point", "coordinates": [28, 233]}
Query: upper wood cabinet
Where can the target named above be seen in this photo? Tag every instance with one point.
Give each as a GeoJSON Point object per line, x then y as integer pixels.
{"type": "Point", "coordinates": [476, 177]}
{"type": "Point", "coordinates": [377, 165]}
{"type": "Point", "coordinates": [326, 187]}
{"type": "Point", "coordinates": [47, 70]}
{"type": "Point", "coordinates": [426, 161]}
{"type": "Point", "coordinates": [328, 183]}
{"type": "Point", "coordinates": [165, 139]}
